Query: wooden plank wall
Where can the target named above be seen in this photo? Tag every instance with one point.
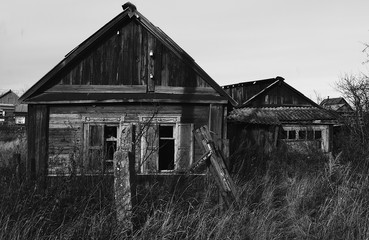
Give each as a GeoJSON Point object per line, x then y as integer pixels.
{"type": "Point", "coordinates": [280, 95]}
{"type": "Point", "coordinates": [66, 123]}
{"type": "Point", "coordinates": [38, 120]}
{"type": "Point", "coordinates": [123, 58]}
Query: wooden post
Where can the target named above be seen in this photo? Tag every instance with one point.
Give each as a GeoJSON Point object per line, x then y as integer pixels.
{"type": "Point", "coordinates": [38, 142]}
{"type": "Point", "coordinates": [122, 177]}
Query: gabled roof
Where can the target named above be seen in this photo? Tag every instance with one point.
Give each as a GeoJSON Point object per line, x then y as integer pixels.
{"type": "Point", "coordinates": [336, 104]}
{"type": "Point", "coordinates": [12, 99]}
{"type": "Point", "coordinates": [6, 93]}
{"type": "Point", "coordinates": [266, 85]}
{"type": "Point", "coordinates": [130, 12]}
{"type": "Point", "coordinates": [332, 101]}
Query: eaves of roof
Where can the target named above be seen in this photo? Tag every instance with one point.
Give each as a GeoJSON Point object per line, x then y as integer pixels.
{"type": "Point", "coordinates": [278, 115]}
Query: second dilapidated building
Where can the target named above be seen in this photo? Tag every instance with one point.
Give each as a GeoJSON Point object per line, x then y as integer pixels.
{"type": "Point", "coordinates": [271, 112]}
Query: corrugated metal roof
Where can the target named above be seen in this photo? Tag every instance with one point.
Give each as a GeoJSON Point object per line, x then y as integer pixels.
{"type": "Point", "coordinates": [277, 115]}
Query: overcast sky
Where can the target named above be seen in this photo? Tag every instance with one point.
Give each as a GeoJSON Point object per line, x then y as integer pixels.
{"type": "Point", "coordinates": [310, 43]}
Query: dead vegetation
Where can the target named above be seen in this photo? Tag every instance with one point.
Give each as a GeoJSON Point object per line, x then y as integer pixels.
{"type": "Point", "coordinates": [291, 196]}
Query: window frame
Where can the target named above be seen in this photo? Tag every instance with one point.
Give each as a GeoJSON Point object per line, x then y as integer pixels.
{"type": "Point", "coordinates": [103, 122]}
{"type": "Point", "coordinates": [155, 122]}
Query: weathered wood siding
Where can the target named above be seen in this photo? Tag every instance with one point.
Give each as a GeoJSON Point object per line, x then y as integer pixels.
{"type": "Point", "coordinates": [37, 131]}
{"type": "Point", "coordinates": [279, 95]}
{"type": "Point", "coordinates": [123, 58]}
{"type": "Point", "coordinates": [66, 127]}
{"type": "Point", "coordinates": [243, 92]}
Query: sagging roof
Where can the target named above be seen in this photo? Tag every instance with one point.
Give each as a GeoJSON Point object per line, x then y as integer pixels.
{"type": "Point", "coordinates": [279, 115]}
{"type": "Point", "coordinates": [246, 93]}
{"type": "Point", "coordinates": [130, 12]}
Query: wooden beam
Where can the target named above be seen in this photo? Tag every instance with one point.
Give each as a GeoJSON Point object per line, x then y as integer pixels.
{"type": "Point", "coordinates": [97, 89]}
{"type": "Point", "coordinates": [217, 167]}
{"type": "Point", "coordinates": [38, 131]}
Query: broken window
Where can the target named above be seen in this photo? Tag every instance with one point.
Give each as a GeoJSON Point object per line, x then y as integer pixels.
{"type": "Point", "coordinates": [166, 147]}
{"type": "Point", "coordinates": [301, 134]}
{"type": "Point", "coordinates": [110, 137]}
{"type": "Point", "coordinates": [101, 144]}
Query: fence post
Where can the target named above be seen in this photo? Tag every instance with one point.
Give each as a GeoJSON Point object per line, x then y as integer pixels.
{"type": "Point", "coordinates": [122, 177]}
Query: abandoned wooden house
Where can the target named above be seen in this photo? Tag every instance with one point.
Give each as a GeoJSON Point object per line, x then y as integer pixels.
{"type": "Point", "coordinates": [338, 105]}
{"type": "Point", "coordinates": [8, 101]}
{"type": "Point", "coordinates": [128, 76]}
{"type": "Point", "coordinates": [270, 112]}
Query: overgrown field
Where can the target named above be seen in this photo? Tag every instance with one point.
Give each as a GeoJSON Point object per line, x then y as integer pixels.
{"type": "Point", "coordinates": [289, 196]}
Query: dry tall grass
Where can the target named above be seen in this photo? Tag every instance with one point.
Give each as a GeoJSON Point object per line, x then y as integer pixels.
{"type": "Point", "coordinates": [296, 197]}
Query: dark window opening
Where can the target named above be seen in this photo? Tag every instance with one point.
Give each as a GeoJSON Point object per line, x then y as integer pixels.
{"type": "Point", "coordinates": [110, 132]}
{"type": "Point", "coordinates": [302, 134]}
{"type": "Point", "coordinates": [110, 136]}
{"type": "Point", "coordinates": [284, 134]}
{"type": "Point", "coordinates": [166, 148]}
{"type": "Point", "coordinates": [292, 134]}
{"type": "Point", "coordinates": [318, 134]}
{"type": "Point", "coordinates": [166, 131]}
{"type": "Point", "coordinates": [310, 135]}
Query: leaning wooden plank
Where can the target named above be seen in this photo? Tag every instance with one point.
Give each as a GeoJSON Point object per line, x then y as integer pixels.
{"type": "Point", "coordinates": [217, 166]}
{"type": "Point", "coordinates": [200, 162]}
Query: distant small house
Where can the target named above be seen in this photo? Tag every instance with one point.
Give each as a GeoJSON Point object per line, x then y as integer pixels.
{"type": "Point", "coordinates": [271, 112]}
{"type": "Point", "coordinates": [8, 101]}
{"type": "Point", "coordinates": [338, 105]}
{"type": "Point", "coordinates": [128, 77]}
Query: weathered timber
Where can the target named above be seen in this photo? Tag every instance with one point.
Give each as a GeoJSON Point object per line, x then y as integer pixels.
{"type": "Point", "coordinates": [37, 141]}
{"type": "Point", "coordinates": [96, 89]}
{"type": "Point", "coordinates": [217, 167]}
